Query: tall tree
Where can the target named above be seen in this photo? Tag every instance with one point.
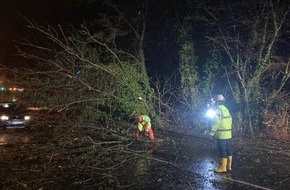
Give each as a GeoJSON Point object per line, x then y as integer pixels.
{"type": "Point", "coordinates": [121, 26]}
{"type": "Point", "coordinates": [187, 66]}
{"type": "Point", "coordinates": [248, 33]}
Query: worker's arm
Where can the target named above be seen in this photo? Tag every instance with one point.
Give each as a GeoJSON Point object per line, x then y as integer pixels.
{"type": "Point", "coordinates": [216, 124]}
{"type": "Point", "coordinates": [140, 127]}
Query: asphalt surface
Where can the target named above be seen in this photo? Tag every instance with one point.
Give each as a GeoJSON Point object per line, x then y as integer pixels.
{"type": "Point", "coordinates": [186, 161]}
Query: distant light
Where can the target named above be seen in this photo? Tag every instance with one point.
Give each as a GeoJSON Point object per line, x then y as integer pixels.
{"type": "Point", "coordinates": [16, 89]}
{"type": "Point", "coordinates": [37, 108]}
{"type": "Point", "coordinates": [4, 117]}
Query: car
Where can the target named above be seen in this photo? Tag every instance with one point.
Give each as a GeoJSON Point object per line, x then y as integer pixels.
{"type": "Point", "coordinates": [13, 115]}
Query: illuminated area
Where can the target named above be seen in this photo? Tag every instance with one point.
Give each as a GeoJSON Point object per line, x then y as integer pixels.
{"type": "Point", "coordinates": [203, 166]}
{"type": "Point", "coordinates": [3, 88]}
{"type": "Point", "coordinates": [9, 94]}
{"type": "Point", "coordinates": [210, 113]}
{"type": "Point", "coordinates": [16, 89]}
{"type": "Point", "coordinates": [4, 117]}
{"type": "Point", "coordinates": [13, 115]}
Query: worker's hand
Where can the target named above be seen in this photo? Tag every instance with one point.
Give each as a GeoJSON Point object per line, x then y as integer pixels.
{"type": "Point", "coordinates": [147, 130]}
{"type": "Point", "coordinates": [211, 133]}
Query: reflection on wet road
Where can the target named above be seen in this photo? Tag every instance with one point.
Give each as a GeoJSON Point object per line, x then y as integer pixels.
{"type": "Point", "coordinates": [204, 168]}
{"type": "Point", "coordinates": [184, 162]}
{"type": "Point", "coordinates": [6, 139]}
{"type": "Point", "coordinates": [252, 169]}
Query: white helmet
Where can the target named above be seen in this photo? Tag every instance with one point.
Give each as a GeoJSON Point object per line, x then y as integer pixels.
{"type": "Point", "coordinates": [219, 97]}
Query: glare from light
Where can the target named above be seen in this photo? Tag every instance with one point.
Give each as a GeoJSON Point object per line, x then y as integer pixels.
{"type": "Point", "coordinates": [26, 117]}
{"type": "Point", "coordinates": [4, 117]}
{"type": "Point", "coordinates": [210, 113]}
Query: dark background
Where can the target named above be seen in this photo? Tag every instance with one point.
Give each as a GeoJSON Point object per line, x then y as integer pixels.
{"type": "Point", "coordinates": [159, 43]}
{"type": "Point", "coordinates": [13, 15]}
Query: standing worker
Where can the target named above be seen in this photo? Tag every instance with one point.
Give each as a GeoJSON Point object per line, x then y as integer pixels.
{"type": "Point", "coordinates": [222, 131]}
{"type": "Point", "coordinates": [144, 125]}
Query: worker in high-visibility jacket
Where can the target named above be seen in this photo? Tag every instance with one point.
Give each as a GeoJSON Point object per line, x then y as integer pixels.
{"type": "Point", "coordinates": [221, 129]}
{"type": "Point", "coordinates": [144, 125]}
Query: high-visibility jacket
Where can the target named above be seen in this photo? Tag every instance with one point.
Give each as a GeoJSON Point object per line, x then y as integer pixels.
{"type": "Point", "coordinates": [222, 126]}
{"type": "Point", "coordinates": [145, 124]}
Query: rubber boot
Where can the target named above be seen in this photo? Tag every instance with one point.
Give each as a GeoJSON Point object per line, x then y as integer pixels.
{"type": "Point", "coordinates": [223, 166]}
{"type": "Point", "coordinates": [229, 163]}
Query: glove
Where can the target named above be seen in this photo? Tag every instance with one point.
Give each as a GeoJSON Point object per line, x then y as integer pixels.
{"type": "Point", "coordinates": [211, 133]}
{"type": "Point", "coordinates": [147, 130]}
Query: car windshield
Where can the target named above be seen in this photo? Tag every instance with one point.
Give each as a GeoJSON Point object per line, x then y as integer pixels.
{"type": "Point", "coordinates": [11, 107]}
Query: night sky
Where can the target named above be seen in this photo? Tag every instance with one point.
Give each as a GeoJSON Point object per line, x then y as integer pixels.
{"type": "Point", "coordinates": [13, 24]}
{"type": "Point", "coordinates": [14, 16]}
{"type": "Point", "coordinates": [54, 12]}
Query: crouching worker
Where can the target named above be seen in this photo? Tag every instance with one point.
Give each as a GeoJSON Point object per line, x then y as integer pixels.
{"type": "Point", "coordinates": [144, 125]}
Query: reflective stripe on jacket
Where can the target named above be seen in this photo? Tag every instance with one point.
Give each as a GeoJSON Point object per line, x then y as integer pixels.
{"type": "Point", "coordinates": [145, 124]}
{"type": "Point", "coordinates": [222, 126]}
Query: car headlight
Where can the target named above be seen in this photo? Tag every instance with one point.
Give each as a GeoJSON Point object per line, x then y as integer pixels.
{"type": "Point", "coordinates": [210, 113]}
{"type": "Point", "coordinates": [26, 117]}
{"type": "Point", "coordinates": [4, 117]}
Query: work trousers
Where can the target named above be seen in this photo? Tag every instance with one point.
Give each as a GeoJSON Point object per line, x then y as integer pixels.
{"type": "Point", "coordinates": [150, 134]}
{"type": "Point", "coordinates": [224, 147]}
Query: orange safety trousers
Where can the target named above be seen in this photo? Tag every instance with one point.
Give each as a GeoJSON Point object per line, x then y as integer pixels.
{"type": "Point", "coordinates": [150, 133]}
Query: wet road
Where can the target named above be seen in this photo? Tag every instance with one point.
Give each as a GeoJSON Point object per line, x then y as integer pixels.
{"type": "Point", "coordinates": [187, 162]}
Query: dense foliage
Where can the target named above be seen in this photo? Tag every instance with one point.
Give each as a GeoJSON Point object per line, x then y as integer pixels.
{"type": "Point", "coordinates": [98, 72]}
{"type": "Point", "coordinates": [93, 80]}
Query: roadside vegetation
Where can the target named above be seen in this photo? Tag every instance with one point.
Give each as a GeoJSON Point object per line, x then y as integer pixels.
{"type": "Point", "coordinates": [91, 78]}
